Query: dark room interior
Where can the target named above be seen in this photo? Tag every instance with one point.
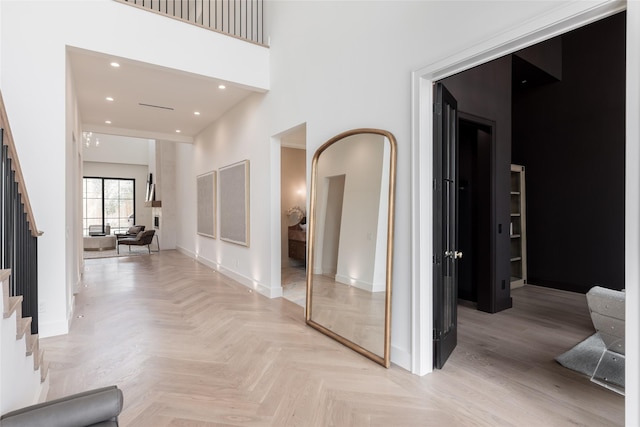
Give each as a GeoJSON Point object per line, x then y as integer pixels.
{"type": "Point", "coordinates": [556, 108]}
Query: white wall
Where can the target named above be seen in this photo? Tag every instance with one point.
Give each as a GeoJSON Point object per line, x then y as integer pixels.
{"type": "Point", "coordinates": [137, 172]}
{"type": "Point", "coordinates": [229, 141]}
{"type": "Point", "coordinates": [60, 306]}
{"type": "Point", "coordinates": [632, 218]}
{"type": "Point", "coordinates": [165, 179]}
{"type": "Point", "coordinates": [186, 234]}
{"type": "Point", "coordinates": [33, 41]}
{"type": "Point", "coordinates": [117, 149]}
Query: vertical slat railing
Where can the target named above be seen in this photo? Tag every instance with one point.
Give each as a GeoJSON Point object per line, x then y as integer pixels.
{"type": "Point", "coordinates": [238, 18]}
{"type": "Point", "coordinates": [18, 232]}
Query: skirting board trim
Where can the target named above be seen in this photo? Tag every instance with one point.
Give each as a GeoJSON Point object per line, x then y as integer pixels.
{"type": "Point", "coordinates": [366, 286]}
{"type": "Point", "coordinates": [401, 357]}
{"type": "Point", "coordinates": [186, 252]}
{"type": "Point", "coordinates": [244, 280]}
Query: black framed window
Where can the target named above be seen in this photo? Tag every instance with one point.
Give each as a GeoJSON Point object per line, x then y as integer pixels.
{"type": "Point", "coordinates": [108, 201]}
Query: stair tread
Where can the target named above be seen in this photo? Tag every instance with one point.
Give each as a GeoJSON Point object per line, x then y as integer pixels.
{"type": "Point", "coordinates": [24, 326]}
{"type": "Point", "coordinates": [33, 344]}
{"type": "Point", "coordinates": [38, 361]}
{"type": "Point", "coordinates": [44, 371]}
{"type": "Point", "coordinates": [11, 305]}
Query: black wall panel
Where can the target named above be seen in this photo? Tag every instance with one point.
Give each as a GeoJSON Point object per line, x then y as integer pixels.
{"type": "Point", "coordinates": [570, 136]}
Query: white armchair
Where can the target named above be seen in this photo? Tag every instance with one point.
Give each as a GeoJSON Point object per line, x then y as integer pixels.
{"type": "Point", "coordinates": [608, 317]}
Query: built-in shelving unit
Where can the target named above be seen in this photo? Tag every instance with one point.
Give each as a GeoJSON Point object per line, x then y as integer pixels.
{"type": "Point", "coordinates": [517, 229]}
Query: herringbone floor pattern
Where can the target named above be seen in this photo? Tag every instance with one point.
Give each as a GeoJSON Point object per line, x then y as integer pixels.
{"type": "Point", "coordinates": [190, 347]}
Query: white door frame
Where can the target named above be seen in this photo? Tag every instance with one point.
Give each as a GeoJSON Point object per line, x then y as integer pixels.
{"type": "Point", "coordinates": [563, 19]}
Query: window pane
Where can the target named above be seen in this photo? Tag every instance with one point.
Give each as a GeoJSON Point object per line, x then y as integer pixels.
{"type": "Point", "coordinates": [110, 208]}
{"type": "Point", "coordinates": [126, 208]}
{"type": "Point", "coordinates": [94, 209]}
{"type": "Point", "coordinates": [111, 187]}
{"type": "Point", "coordinates": [122, 224]}
{"type": "Point", "coordinates": [93, 188]}
{"type": "Point", "coordinates": [126, 189]}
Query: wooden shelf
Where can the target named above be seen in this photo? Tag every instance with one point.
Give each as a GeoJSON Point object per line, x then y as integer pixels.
{"type": "Point", "coordinates": [518, 239]}
{"type": "Point", "coordinates": [153, 204]}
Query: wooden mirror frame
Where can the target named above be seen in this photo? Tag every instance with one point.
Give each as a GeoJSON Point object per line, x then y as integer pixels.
{"type": "Point", "coordinates": [385, 359]}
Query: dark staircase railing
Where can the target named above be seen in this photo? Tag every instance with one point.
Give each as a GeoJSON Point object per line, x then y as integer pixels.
{"type": "Point", "coordinates": [18, 232]}
{"type": "Point", "coordinates": [238, 18]}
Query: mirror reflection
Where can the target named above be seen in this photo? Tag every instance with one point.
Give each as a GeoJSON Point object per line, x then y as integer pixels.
{"type": "Point", "coordinates": [349, 271]}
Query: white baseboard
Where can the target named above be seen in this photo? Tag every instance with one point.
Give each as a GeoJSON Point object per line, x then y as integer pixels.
{"type": "Point", "coordinates": [186, 252]}
{"type": "Point", "coordinates": [354, 282]}
{"type": "Point", "coordinates": [242, 279]}
{"type": "Point", "coordinates": [401, 357]}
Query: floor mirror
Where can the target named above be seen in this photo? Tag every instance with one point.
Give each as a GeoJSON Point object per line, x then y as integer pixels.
{"type": "Point", "coordinates": [350, 241]}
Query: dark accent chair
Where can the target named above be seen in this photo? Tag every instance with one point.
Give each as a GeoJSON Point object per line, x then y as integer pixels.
{"type": "Point", "coordinates": [99, 407]}
{"type": "Point", "coordinates": [131, 232]}
{"type": "Point", "coordinates": [144, 238]}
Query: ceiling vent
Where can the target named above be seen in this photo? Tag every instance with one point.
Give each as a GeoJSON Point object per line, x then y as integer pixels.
{"type": "Point", "coordinates": [155, 106]}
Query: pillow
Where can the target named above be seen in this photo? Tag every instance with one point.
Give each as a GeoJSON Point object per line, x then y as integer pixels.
{"type": "Point", "coordinates": [134, 230]}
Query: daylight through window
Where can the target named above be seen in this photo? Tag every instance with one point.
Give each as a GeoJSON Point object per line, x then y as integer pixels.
{"type": "Point", "coordinates": [108, 201]}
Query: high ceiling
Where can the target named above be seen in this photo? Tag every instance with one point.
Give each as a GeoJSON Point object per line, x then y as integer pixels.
{"type": "Point", "coordinates": [170, 97]}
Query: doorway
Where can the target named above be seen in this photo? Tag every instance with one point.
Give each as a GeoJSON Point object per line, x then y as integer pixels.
{"type": "Point", "coordinates": [566, 254]}
{"type": "Point", "coordinates": [422, 146]}
{"type": "Point", "coordinates": [292, 211]}
{"type": "Point", "coordinates": [474, 216]}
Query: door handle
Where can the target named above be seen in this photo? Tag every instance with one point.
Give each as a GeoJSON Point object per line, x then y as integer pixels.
{"type": "Point", "coordinates": [453, 254]}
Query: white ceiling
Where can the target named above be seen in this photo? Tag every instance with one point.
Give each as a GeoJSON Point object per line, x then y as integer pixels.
{"type": "Point", "coordinates": [134, 83]}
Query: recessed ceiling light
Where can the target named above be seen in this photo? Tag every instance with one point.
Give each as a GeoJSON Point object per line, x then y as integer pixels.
{"type": "Point", "coordinates": [222, 87]}
{"type": "Point", "coordinates": [108, 98]}
{"type": "Point", "coordinates": [108, 122]}
{"type": "Point", "coordinates": [197, 113]}
{"type": "Point", "coordinates": [115, 64]}
{"type": "Point", "coordinates": [178, 131]}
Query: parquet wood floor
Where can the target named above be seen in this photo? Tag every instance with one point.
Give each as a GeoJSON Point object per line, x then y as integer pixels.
{"type": "Point", "coordinates": [190, 347]}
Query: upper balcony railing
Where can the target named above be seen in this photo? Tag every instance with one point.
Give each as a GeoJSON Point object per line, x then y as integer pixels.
{"type": "Point", "coordinates": [243, 19]}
